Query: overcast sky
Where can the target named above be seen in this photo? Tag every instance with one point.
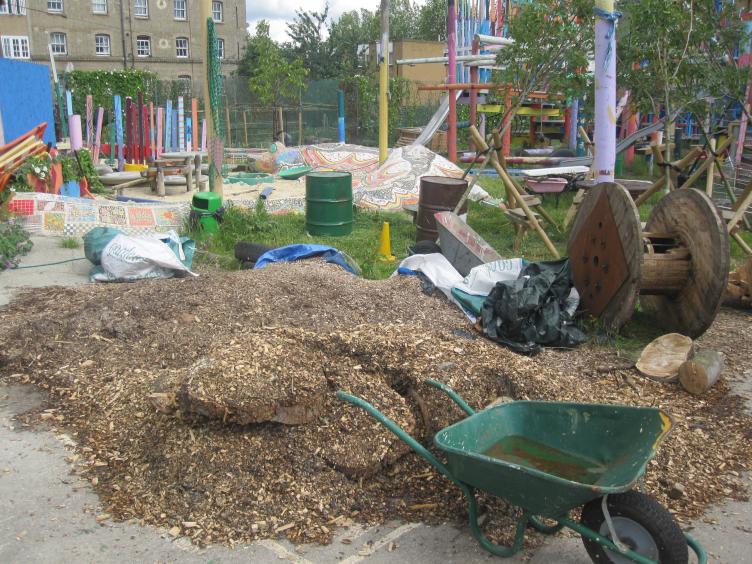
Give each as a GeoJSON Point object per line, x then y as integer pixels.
{"type": "Point", "coordinates": [279, 12]}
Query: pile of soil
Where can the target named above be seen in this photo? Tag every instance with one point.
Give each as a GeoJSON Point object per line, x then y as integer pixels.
{"type": "Point", "coordinates": [208, 405]}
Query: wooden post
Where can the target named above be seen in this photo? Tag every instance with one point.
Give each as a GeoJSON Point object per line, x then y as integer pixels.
{"type": "Point", "coordinates": [228, 129]}
{"type": "Point", "coordinates": [245, 126]}
{"type": "Point", "coordinates": [160, 181]}
{"type": "Point", "coordinates": [711, 168]}
{"type": "Point", "coordinates": [188, 167]}
{"type": "Point", "coordinates": [281, 124]}
{"type": "Point", "coordinates": [197, 171]}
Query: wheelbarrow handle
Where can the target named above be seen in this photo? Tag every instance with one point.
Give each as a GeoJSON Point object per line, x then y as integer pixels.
{"type": "Point", "coordinates": [454, 396]}
{"type": "Point", "coordinates": [399, 431]}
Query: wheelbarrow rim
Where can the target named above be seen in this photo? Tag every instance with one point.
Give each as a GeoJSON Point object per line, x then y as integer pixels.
{"type": "Point", "coordinates": [597, 490]}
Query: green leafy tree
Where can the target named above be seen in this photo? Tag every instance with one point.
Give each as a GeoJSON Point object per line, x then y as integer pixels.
{"type": "Point", "coordinates": [677, 56]}
{"type": "Point", "coordinates": [307, 33]}
{"type": "Point", "coordinates": [273, 77]}
{"type": "Point", "coordinates": [554, 60]}
{"type": "Point", "coordinates": [354, 28]}
{"type": "Point", "coordinates": [432, 21]}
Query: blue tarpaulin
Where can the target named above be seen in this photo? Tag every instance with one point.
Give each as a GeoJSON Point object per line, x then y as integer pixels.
{"type": "Point", "coordinates": [296, 252]}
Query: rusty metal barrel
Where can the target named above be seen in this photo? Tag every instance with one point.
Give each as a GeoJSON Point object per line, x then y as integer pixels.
{"type": "Point", "coordinates": [437, 194]}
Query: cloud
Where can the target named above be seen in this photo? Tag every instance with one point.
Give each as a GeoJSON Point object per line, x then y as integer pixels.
{"type": "Point", "coordinates": [278, 13]}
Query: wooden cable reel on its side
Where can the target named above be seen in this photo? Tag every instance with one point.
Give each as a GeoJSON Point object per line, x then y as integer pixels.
{"type": "Point", "coordinates": [678, 265]}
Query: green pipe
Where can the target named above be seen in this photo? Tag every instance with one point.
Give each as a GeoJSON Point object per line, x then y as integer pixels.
{"type": "Point", "coordinates": [702, 557]}
{"type": "Point", "coordinates": [453, 395]}
{"type": "Point", "coordinates": [541, 527]}
{"type": "Point", "coordinates": [495, 549]}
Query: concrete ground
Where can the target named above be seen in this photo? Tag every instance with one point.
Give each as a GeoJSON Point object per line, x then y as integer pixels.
{"type": "Point", "coordinates": [49, 515]}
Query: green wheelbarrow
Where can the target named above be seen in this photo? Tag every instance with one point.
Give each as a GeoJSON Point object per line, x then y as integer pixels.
{"type": "Point", "coordinates": [549, 458]}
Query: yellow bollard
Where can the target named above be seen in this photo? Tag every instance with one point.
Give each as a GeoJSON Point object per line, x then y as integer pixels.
{"type": "Point", "coordinates": [385, 245]}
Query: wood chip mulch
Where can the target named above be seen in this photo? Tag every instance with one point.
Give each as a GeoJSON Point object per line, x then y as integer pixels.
{"type": "Point", "coordinates": [207, 405]}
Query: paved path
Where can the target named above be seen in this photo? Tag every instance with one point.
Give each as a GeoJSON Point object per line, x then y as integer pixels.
{"type": "Point", "coordinates": [49, 515]}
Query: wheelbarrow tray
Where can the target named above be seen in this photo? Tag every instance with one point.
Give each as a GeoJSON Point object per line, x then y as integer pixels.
{"type": "Point", "coordinates": [549, 457]}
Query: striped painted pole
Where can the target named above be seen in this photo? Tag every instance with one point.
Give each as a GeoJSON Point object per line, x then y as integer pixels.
{"type": "Point", "coordinates": [152, 131]}
{"type": "Point", "coordinates": [341, 113]}
{"type": "Point", "coordinates": [160, 118]}
{"type": "Point", "coordinates": [119, 130]}
{"type": "Point", "coordinates": [194, 121]}
{"type": "Point", "coordinates": [189, 133]}
{"type": "Point", "coordinates": [181, 123]}
{"type": "Point", "coordinates": [203, 135]}
{"type": "Point", "coordinates": [98, 135]}
{"type": "Point", "coordinates": [604, 137]}
{"type": "Point", "coordinates": [128, 128]}
{"type": "Point", "coordinates": [168, 126]}
{"type": "Point", "coordinates": [89, 121]}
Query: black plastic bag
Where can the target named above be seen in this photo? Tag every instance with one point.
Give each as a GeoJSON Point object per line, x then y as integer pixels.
{"type": "Point", "coordinates": [531, 312]}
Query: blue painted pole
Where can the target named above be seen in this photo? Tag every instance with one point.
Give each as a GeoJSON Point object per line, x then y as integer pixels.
{"type": "Point", "coordinates": [69, 102]}
{"type": "Point", "coordinates": [168, 127]}
{"type": "Point", "coordinates": [341, 115]}
{"type": "Point", "coordinates": [119, 127]}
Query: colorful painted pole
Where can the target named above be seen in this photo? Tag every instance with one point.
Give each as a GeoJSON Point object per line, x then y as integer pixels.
{"type": "Point", "coordinates": [189, 133]}
{"type": "Point", "coordinates": [194, 121]}
{"type": "Point", "coordinates": [575, 120]}
{"type": "Point", "coordinates": [140, 137]}
{"type": "Point", "coordinates": [340, 113]}
{"type": "Point", "coordinates": [89, 121]}
{"type": "Point", "coordinates": [168, 126]}
{"type": "Point", "coordinates": [76, 137]}
{"type": "Point", "coordinates": [134, 133]}
{"type": "Point", "coordinates": [160, 118]}
{"type": "Point", "coordinates": [384, 83]}
{"type": "Point", "coordinates": [112, 160]}
{"type": "Point", "coordinates": [128, 128]}
{"type": "Point", "coordinates": [69, 102]}
{"type": "Point", "coordinates": [98, 134]}
{"type": "Point", "coordinates": [152, 132]}
{"type": "Point", "coordinates": [181, 123]}
{"type": "Point", "coordinates": [474, 77]}
{"type": "Point", "coordinates": [144, 134]}
{"type": "Point", "coordinates": [176, 146]}
{"type": "Point", "coordinates": [451, 78]}
{"type": "Point", "coordinates": [58, 94]}
{"type": "Point", "coordinates": [631, 128]}
{"type": "Point", "coordinates": [604, 136]}
{"type": "Point", "coordinates": [203, 135]}
{"type": "Point", "coordinates": [119, 128]}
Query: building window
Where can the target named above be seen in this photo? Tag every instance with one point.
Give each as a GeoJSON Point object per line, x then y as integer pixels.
{"type": "Point", "coordinates": [217, 12]}
{"type": "Point", "coordinates": [141, 8]}
{"type": "Point", "coordinates": [15, 46]}
{"type": "Point", "coordinates": [15, 7]}
{"type": "Point", "coordinates": [58, 43]}
{"type": "Point", "coordinates": [185, 79]}
{"type": "Point", "coordinates": [143, 46]}
{"type": "Point", "coordinates": [99, 6]}
{"type": "Point", "coordinates": [102, 44]}
{"type": "Point", "coordinates": [221, 47]}
{"type": "Point", "coordinates": [179, 9]}
{"type": "Point", "coordinates": [181, 47]}
{"type": "Point", "coordinates": [54, 5]}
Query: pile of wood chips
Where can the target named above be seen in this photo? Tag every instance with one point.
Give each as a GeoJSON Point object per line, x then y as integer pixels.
{"type": "Point", "coordinates": [207, 405]}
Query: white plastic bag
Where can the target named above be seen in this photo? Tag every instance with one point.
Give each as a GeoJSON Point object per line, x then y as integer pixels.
{"type": "Point", "coordinates": [127, 258]}
{"type": "Point", "coordinates": [482, 279]}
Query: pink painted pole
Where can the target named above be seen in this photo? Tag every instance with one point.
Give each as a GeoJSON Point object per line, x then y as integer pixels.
{"type": "Point", "coordinates": [194, 122]}
{"type": "Point", "coordinates": [89, 121]}
{"type": "Point", "coordinates": [203, 135]}
{"type": "Point", "coordinates": [98, 136]}
{"type": "Point", "coordinates": [474, 72]}
{"type": "Point", "coordinates": [160, 118]}
{"type": "Point", "coordinates": [452, 78]}
{"type": "Point", "coordinates": [605, 91]}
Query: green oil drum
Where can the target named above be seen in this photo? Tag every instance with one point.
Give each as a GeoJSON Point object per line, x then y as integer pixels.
{"type": "Point", "coordinates": [329, 203]}
{"type": "Point", "coordinates": [204, 207]}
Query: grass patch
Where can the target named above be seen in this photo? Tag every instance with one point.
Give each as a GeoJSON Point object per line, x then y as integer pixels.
{"type": "Point", "coordinates": [70, 243]}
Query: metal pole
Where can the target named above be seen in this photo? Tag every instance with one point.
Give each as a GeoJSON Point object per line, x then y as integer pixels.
{"type": "Point", "coordinates": [451, 78]}
{"type": "Point", "coordinates": [384, 83]}
{"type": "Point", "coordinates": [605, 91]}
{"type": "Point", "coordinates": [575, 120]}
{"type": "Point", "coordinates": [341, 114]}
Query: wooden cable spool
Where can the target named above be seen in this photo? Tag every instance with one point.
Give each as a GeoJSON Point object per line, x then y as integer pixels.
{"type": "Point", "coordinates": [678, 265]}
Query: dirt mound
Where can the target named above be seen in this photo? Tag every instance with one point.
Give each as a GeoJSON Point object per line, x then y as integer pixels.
{"type": "Point", "coordinates": [211, 401]}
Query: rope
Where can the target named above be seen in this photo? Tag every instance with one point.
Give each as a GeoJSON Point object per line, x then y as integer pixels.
{"type": "Point", "coordinates": [611, 18]}
{"type": "Point", "coordinates": [49, 263]}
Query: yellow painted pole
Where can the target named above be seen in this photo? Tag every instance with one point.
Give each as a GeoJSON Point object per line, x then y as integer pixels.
{"type": "Point", "coordinates": [216, 182]}
{"type": "Point", "coordinates": [384, 83]}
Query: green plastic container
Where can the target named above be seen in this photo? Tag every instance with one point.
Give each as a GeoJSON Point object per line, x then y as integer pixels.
{"type": "Point", "coordinates": [329, 203]}
{"type": "Point", "coordinates": [204, 204]}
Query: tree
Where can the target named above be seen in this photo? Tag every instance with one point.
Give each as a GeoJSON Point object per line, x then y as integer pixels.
{"type": "Point", "coordinates": [307, 34]}
{"type": "Point", "coordinates": [432, 21]}
{"type": "Point", "coordinates": [272, 76]}
{"type": "Point", "coordinates": [354, 28]}
{"type": "Point", "coordinates": [677, 56]}
{"type": "Point", "coordinates": [553, 44]}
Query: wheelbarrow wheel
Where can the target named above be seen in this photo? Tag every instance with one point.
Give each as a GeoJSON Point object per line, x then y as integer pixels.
{"type": "Point", "coordinates": [641, 523]}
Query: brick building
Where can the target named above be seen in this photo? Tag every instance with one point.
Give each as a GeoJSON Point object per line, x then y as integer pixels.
{"type": "Point", "coordinates": [163, 36]}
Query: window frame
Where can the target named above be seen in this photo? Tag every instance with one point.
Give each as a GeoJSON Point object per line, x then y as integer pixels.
{"type": "Point", "coordinates": [100, 13]}
{"type": "Point", "coordinates": [64, 44]}
{"type": "Point", "coordinates": [23, 39]}
{"type": "Point", "coordinates": [175, 10]}
{"type": "Point", "coordinates": [147, 39]}
{"type": "Point", "coordinates": [221, 48]}
{"type": "Point", "coordinates": [178, 49]}
{"type": "Point", "coordinates": [221, 11]}
{"type": "Point", "coordinates": [136, 7]}
{"type": "Point", "coordinates": [13, 8]}
{"type": "Point", "coordinates": [109, 45]}
{"type": "Point", "coordinates": [56, 10]}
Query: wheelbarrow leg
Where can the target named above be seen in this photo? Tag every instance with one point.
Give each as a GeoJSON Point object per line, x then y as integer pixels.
{"type": "Point", "coordinates": [495, 549]}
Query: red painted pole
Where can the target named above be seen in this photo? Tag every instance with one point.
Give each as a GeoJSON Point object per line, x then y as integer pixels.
{"type": "Point", "coordinates": [128, 129]}
{"type": "Point", "coordinates": [506, 141]}
{"type": "Point", "coordinates": [451, 78]}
